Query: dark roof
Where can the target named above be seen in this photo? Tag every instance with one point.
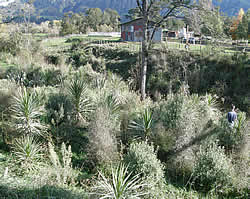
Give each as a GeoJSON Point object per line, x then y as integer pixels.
{"type": "Point", "coordinates": [128, 22]}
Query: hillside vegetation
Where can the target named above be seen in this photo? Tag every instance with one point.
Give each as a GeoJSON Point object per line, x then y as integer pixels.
{"type": "Point", "coordinates": [73, 125]}
{"type": "Point", "coordinates": [54, 9]}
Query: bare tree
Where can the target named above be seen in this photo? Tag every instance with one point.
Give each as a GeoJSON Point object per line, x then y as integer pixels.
{"type": "Point", "coordinates": [153, 14]}
{"type": "Point", "coordinates": [27, 10]}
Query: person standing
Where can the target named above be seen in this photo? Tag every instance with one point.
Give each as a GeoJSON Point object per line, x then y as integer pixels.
{"type": "Point", "coordinates": [232, 117]}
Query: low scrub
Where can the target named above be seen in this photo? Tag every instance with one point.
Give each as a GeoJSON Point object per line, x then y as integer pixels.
{"type": "Point", "coordinates": [212, 169]}
{"type": "Point", "coordinates": [142, 159]}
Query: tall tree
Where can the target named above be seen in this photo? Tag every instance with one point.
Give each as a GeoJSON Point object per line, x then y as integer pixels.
{"type": "Point", "coordinates": [242, 30]}
{"type": "Point", "coordinates": [236, 22]}
{"type": "Point", "coordinates": [154, 13]}
{"type": "Point", "coordinates": [27, 10]}
{"type": "Point", "coordinates": [205, 18]}
{"type": "Point", "coordinates": [66, 25]}
{"type": "Point", "coordinates": [111, 18]}
{"type": "Point", "coordinates": [248, 23]}
{"type": "Point", "coordinates": [94, 17]}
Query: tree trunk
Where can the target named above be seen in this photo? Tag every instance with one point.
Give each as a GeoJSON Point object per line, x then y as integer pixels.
{"type": "Point", "coordinates": [144, 64]}
{"type": "Point", "coordinates": [144, 52]}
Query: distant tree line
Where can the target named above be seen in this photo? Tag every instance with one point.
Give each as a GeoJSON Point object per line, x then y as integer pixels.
{"type": "Point", "coordinates": [92, 20]}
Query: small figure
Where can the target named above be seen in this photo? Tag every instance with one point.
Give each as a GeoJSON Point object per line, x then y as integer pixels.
{"type": "Point", "coordinates": [231, 117]}
{"type": "Point", "coordinates": [187, 46]}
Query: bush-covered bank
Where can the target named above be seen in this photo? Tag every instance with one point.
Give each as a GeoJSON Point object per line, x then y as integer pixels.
{"type": "Point", "coordinates": [87, 130]}
{"type": "Point", "coordinates": [224, 75]}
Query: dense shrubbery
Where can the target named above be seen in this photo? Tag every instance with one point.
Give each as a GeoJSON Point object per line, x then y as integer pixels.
{"type": "Point", "coordinates": [11, 44]}
{"type": "Point", "coordinates": [212, 169]}
{"type": "Point", "coordinates": [93, 111]}
{"type": "Point", "coordinates": [142, 159]}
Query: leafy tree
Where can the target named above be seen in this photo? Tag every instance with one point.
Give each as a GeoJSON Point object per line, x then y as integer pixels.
{"type": "Point", "coordinates": [94, 17]}
{"type": "Point", "coordinates": [248, 21]}
{"type": "Point", "coordinates": [242, 29]}
{"type": "Point", "coordinates": [236, 23]}
{"type": "Point", "coordinates": [79, 22]}
{"type": "Point", "coordinates": [27, 10]}
{"type": "Point", "coordinates": [174, 24]}
{"type": "Point", "coordinates": [66, 25]}
{"type": "Point", "coordinates": [227, 22]}
{"type": "Point", "coordinates": [205, 18]}
{"type": "Point", "coordinates": [112, 16]}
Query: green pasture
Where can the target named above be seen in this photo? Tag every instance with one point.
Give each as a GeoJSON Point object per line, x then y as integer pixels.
{"type": "Point", "coordinates": [61, 43]}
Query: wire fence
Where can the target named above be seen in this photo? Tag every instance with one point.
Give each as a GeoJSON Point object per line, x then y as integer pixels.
{"type": "Point", "coordinates": [197, 48]}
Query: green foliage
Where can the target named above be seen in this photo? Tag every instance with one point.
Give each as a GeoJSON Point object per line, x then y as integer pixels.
{"type": "Point", "coordinates": [55, 59]}
{"type": "Point", "coordinates": [142, 159]}
{"type": "Point", "coordinates": [121, 185]}
{"type": "Point", "coordinates": [59, 109]}
{"type": "Point", "coordinates": [213, 169]}
{"type": "Point", "coordinates": [11, 44]}
{"type": "Point", "coordinates": [29, 188]}
{"type": "Point", "coordinates": [27, 112]}
{"type": "Point", "coordinates": [241, 124]}
{"type": "Point", "coordinates": [28, 152]}
{"type": "Point", "coordinates": [34, 76]}
{"type": "Point", "coordinates": [77, 93]}
{"type": "Point", "coordinates": [92, 20]}
{"type": "Point", "coordinates": [94, 17]}
{"type": "Point", "coordinates": [242, 29]}
{"type": "Point", "coordinates": [182, 122]}
{"type": "Point", "coordinates": [232, 139]}
{"type": "Point", "coordinates": [79, 58]}
{"type": "Point", "coordinates": [144, 124]}
{"type": "Point", "coordinates": [113, 104]}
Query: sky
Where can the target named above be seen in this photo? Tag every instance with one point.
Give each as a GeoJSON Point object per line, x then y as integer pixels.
{"type": "Point", "coordinates": [5, 2]}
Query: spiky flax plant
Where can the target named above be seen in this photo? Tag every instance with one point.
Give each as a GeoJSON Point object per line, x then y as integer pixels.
{"type": "Point", "coordinates": [27, 112]}
{"type": "Point", "coordinates": [77, 91]}
{"type": "Point", "coordinates": [144, 124]}
{"type": "Point", "coordinates": [121, 185]}
{"type": "Point", "coordinates": [27, 151]}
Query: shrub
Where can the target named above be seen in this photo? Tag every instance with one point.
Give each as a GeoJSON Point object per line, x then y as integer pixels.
{"type": "Point", "coordinates": [121, 185]}
{"type": "Point", "coordinates": [181, 123]}
{"type": "Point", "coordinates": [144, 124]}
{"type": "Point", "coordinates": [59, 109]}
{"type": "Point", "coordinates": [142, 159]}
{"type": "Point", "coordinates": [78, 58]}
{"type": "Point", "coordinates": [51, 77]}
{"type": "Point", "coordinates": [12, 43]}
{"type": "Point", "coordinates": [102, 141]}
{"type": "Point", "coordinates": [33, 76]}
{"type": "Point", "coordinates": [28, 152]}
{"type": "Point", "coordinates": [232, 139]}
{"type": "Point", "coordinates": [27, 112]}
{"type": "Point", "coordinates": [62, 167]}
{"type": "Point", "coordinates": [77, 93]}
{"type": "Point", "coordinates": [212, 169]}
{"type": "Point", "coordinates": [55, 59]}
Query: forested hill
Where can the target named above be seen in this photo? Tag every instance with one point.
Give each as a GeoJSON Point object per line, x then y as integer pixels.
{"type": "Point", "coordinates": [232, 7]}
{"type": "Point", "coordinates": [56, 8]}
{"type": "Point", "coordinates": [51, 6]}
